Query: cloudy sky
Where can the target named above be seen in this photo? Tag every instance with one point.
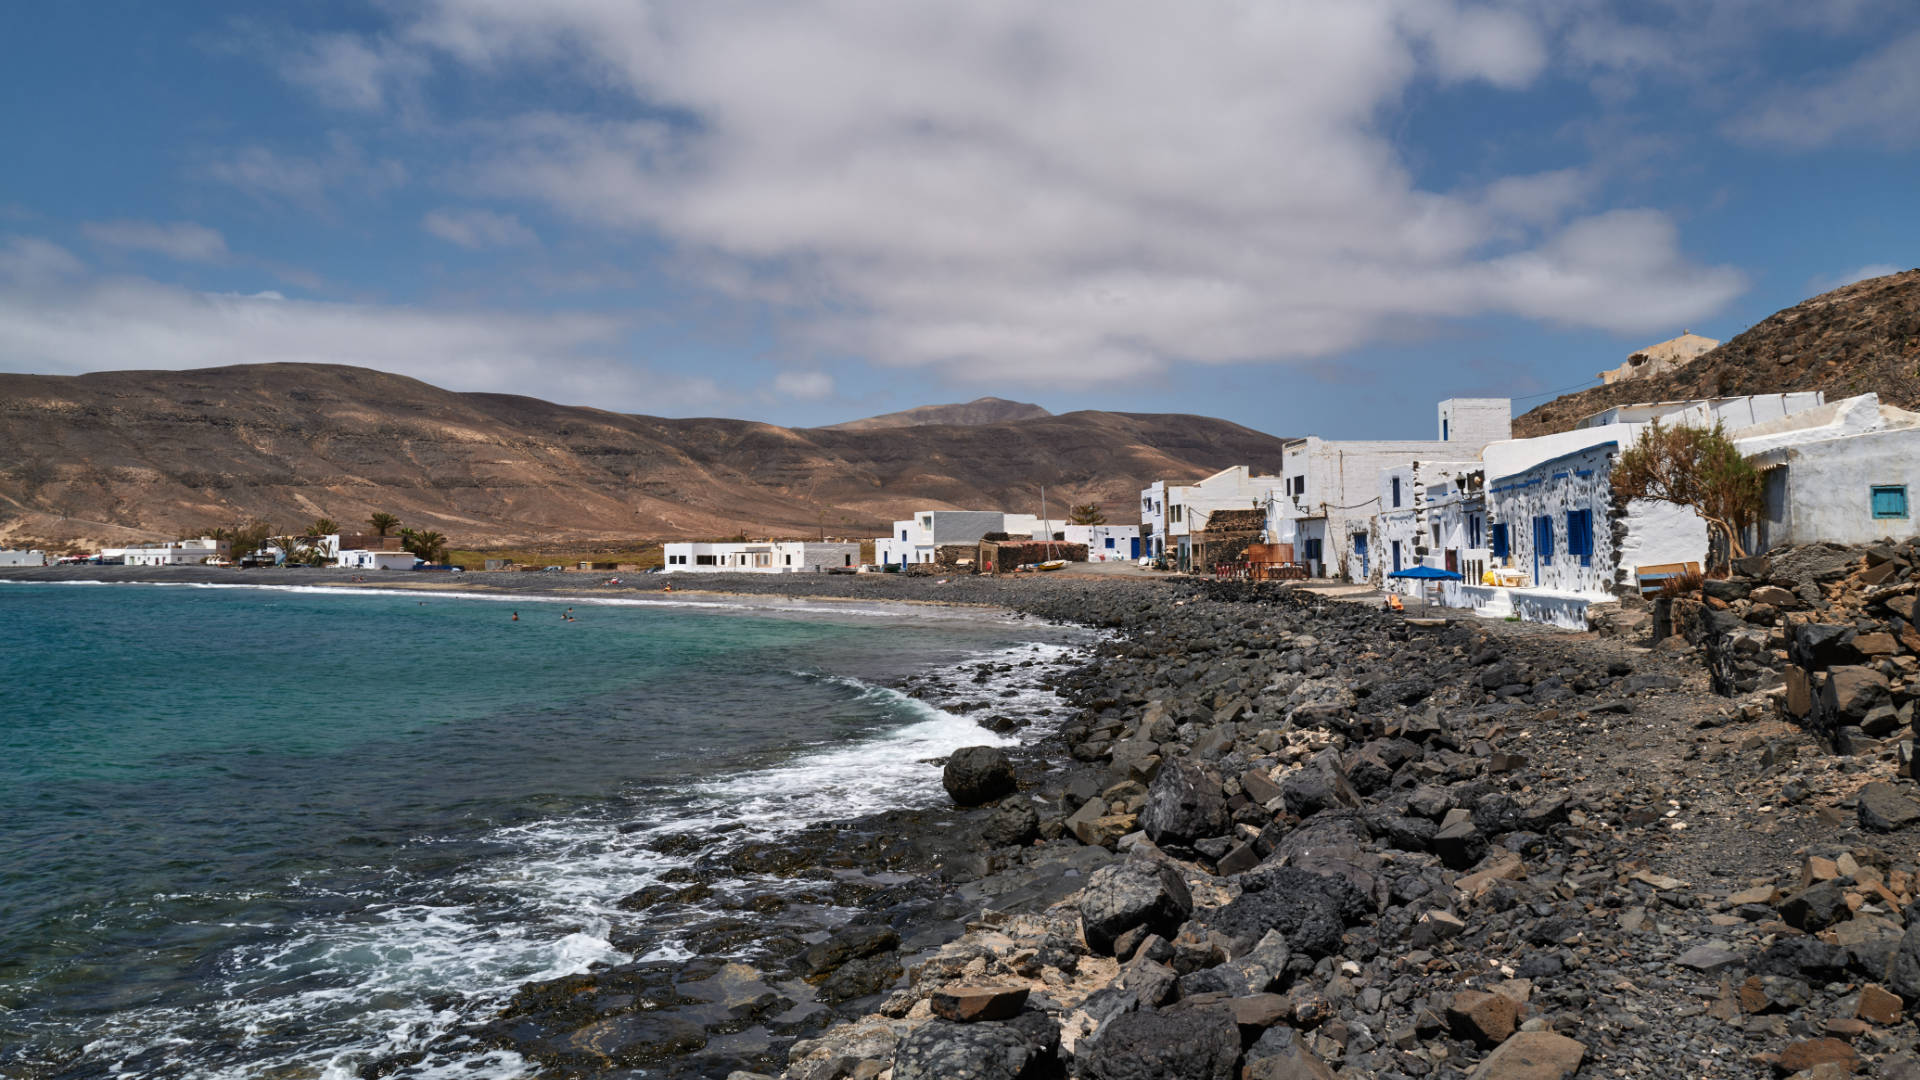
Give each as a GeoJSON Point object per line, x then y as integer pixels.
{"type": "Point", "coordinates": [1306, 217]}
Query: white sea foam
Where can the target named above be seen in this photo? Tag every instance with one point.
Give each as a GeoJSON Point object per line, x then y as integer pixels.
{"type": "Point", "coordinates": [362, 982]}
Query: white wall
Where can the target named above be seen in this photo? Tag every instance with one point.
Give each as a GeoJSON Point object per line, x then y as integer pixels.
{"type": "Point", "coordinates": [1829, 487]}
{"type": "Point", "coordinates": [1106, 543]}
{"type": "Point", "coordinates": [16, 557]}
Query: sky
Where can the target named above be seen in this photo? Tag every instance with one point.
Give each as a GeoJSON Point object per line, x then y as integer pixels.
{"type": "Point", "coordinates": [1309, 218]}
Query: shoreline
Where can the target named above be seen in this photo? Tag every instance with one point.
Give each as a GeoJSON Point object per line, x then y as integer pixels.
{"type": "Point", "coordinates": [1464, 836]}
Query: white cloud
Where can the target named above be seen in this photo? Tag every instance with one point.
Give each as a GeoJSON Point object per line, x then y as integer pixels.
{"type": "Point", "coordinates": [55, 320]}
{"type": "Point", "coordinates": [353, 73]}
{"type": "Point", "coordinates": [1075, 190]}
{"type": "Point", "coordinates": [182, 240]}
{"type": "Point", "coordinates": [1876, 99]}
{"type": "Point", "coordinates": [803, 385]}
{"type": "Point", "coordinates": [476, 229]}
{"type": "Point", "coordinates": [1871, 270]}
{"type": "Point", "coordinates": [306, 180]}
{"type": "Point", "coordinates": [30, 261]}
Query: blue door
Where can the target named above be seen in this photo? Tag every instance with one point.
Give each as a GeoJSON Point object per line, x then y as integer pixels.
{"type": "Point", "coordinates": [1136, 547]}
{"type": "Point", "coordinates": [1542, 545]}
{"type": "Point", "coordinates": [1360, 551]}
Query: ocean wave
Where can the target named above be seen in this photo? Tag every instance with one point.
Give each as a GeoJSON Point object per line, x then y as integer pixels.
{"type": "Point", "coordinates": [326, 995]}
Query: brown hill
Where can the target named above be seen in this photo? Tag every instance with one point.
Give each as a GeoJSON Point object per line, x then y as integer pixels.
{"type": "Point", "coordinates": [986, 410]}
{"type": "Point", "coordinates": [119, 456]}
{"type": "Point", "coordinates": [1858, 338]}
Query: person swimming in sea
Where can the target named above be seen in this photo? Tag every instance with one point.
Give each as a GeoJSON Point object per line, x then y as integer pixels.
{"type": "Point", "coordinates": [516, 616]}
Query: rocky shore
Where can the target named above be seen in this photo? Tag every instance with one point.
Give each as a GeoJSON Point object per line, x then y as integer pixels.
{"type": "Point", "coordinates": [1319, 842]}
{"type": "Point", "coordinates": [1280, 836]}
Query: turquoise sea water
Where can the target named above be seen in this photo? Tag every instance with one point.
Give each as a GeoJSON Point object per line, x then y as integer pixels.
{"type": "Point", "coordinates": [247, 830]}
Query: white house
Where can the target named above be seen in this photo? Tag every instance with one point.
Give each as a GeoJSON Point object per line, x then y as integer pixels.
{"type": "Point", "coordinates": [1553, 519]}
{"type": "Point", "coordinates": [1153, 520]}
{"type": "Point", "coordinates": [1844, 472]}
{"type": "Point", "coordinates": [172, 553]}
{"type": "Point", "coordinates": [916, 539]}
{"type": "Point", "coordinates": [368, 559]}
{"type": "Point", "coordinates": [1106, 543]}
{"type": "Point", "coordinates": [1330, 490]}
{"type": "Point", "coordinates": [18, 557]}
{"type": "Point", "coordinates": [1432, 513]}
{"type": "Point", "coordinates": [760, 557]}
{"type": "Point", "coordinates": [1186, 507]}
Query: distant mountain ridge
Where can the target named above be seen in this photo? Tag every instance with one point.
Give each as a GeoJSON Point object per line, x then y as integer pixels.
{"type": "Point", "coordinates": [984, 410]}
{"type": "Point", "coordinates": [136, 455]}
{"type": "Point", "coordinates": [1857, 338]}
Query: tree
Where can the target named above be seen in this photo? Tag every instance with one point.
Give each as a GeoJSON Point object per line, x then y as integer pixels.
{"type": "Point", "coordinates": [322, 526]}
{"type": "Point", "coordinates": [1087, 514]}
{"type": "Point", "coordinates": [430, 546]}
{"type": "Point", "coordinates": [1698, 468]}
{"type": "Point", "coordinates": [383, 522]}
{"type": "Point", "coordinates": [245, 538]}
{"type": "Point", "coordinates": [297, 551]}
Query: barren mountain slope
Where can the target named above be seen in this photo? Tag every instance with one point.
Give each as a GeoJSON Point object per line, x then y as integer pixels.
{"type": "Point", "coordinates": [986, 410]}
{"type": "Point", "coordinates": [136, 455]}
{"type": "Point", "coordinates": [1861, 337]}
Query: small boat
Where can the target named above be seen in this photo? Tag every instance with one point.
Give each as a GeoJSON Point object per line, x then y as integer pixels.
{"type": "Point", "coordinates": [1051, 564]}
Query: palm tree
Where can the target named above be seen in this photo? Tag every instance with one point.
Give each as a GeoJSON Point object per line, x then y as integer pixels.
{"type": "Point", "coordinates": [322, 526]}
{"type": "Point", "coordinates": [383, 523]}
{"type": "Point", "coordinates": [425, 543]}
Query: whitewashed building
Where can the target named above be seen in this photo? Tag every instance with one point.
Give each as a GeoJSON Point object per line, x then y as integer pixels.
{"type": "Point", "coordinates": [172, 553]}
{"type": "Point", "coordinates": [1106, 543]}
{"type": "Point", "coordinates": [1185, 508]}
{"type": "Point", "coordinates": [1553, 520]}
{"type": "Point", "coordinates": [760, 557]}
{"type": "Point", "coordinates": [1432, 513]}
{"type": "Point", "coordinates": [1844, 472]}
{"type": "Point", "coordinates": [1330, 490]}
{"type": "Point", "coordinates": [1153, 520]}
{"type": "Point", "coordinates": [22, 557]}
{"type": "Point", "coordinates": [372, 559]}
{"type": "Point", "coordinates": [917, 539]}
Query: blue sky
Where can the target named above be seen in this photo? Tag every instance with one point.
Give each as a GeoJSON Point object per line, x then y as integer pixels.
{"type": "Point", "coordinates": [1307, 218]}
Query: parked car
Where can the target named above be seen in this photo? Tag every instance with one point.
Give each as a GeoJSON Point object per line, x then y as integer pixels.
{"type": "Point", "coordinates": [553, 569]}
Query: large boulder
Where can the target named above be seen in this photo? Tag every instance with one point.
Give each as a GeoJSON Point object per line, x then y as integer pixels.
{"type": "Point", "coordinates": [1311, 910]}
{"type": "Point", "coordinates": [1190, 1044]}
{"type": "Point", "coordinates": [1184, 804]}
{"type": "Point", "coordinates": [1850, 693]}
{"type": "Point", "coordinates": [1138, 892]}
{"type": "Point", "coordinates": [978, 774]}
{"type": "Point", "coordinates": [1023, 1047]}
{"type": "Point", "coordinates": [1886, 808]}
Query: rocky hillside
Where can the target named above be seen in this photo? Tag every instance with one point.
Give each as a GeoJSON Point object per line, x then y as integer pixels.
{"type": "Point", "coordinates": [120, 456]}
{"type": "Point", "coordinates": [986, 410]}
{"type": "Point", "coordinates": [1859, 338]}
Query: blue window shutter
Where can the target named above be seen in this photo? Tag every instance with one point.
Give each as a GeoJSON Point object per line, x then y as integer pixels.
{"type": "Point", "coordinates": [1890, 500]}
{"type": "Point", "coordinates": [1499, 540]}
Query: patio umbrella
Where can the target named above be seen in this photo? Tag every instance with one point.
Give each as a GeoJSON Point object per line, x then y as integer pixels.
{"type": "Point", "coordinates": [1425, 574]}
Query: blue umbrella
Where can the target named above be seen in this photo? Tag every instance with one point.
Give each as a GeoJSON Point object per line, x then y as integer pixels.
{"type": "Point", "coordinates": [1427, 573]}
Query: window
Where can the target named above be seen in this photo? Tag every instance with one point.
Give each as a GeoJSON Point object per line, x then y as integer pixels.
{"type": "Point", "coordinates": [1310, 550]}
{"type": "Point", "coordinates": [1396, 491]}
{"type": "Point", "coordinates": [1580, 535]}
{"type": "Point", "coordinates": [1889, 500]}
{"type": "Point", "coordinates": [789, 560]}
{"type": "Point", "coordinates": [703, 560]}
{"type": "Point", "coordinates": [1173, 514]}
{"type": "Point", "coordinates": [1473, 530]}
{"type": "Point", "coordinates": [1396, 557]}
{"type": "Point", "coordinates": [1109, 543]}
{"type": "Point", "coordinates": [1543, 538]}
{"type": "Point", "coordinates": [1500, 550]}
{"type": "Point", "coordinates": [1443, 429]}
{"type": "Point", "coordinates": [903, 534]}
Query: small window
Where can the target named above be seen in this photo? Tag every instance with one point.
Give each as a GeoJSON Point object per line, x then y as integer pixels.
{"type": "Point", "coordinates": [1500, 550]}
{"type": "Point", "coordinates": [1890, 500]}
{"type": "Point", "coordinates": [1109, 543]}
{"type": "Point", "coordinates": [1396, 491]}
{"type": "Point", "coordinates": [1543, 538]}
{"type": "Point", "coordinates": [1443, 430]}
